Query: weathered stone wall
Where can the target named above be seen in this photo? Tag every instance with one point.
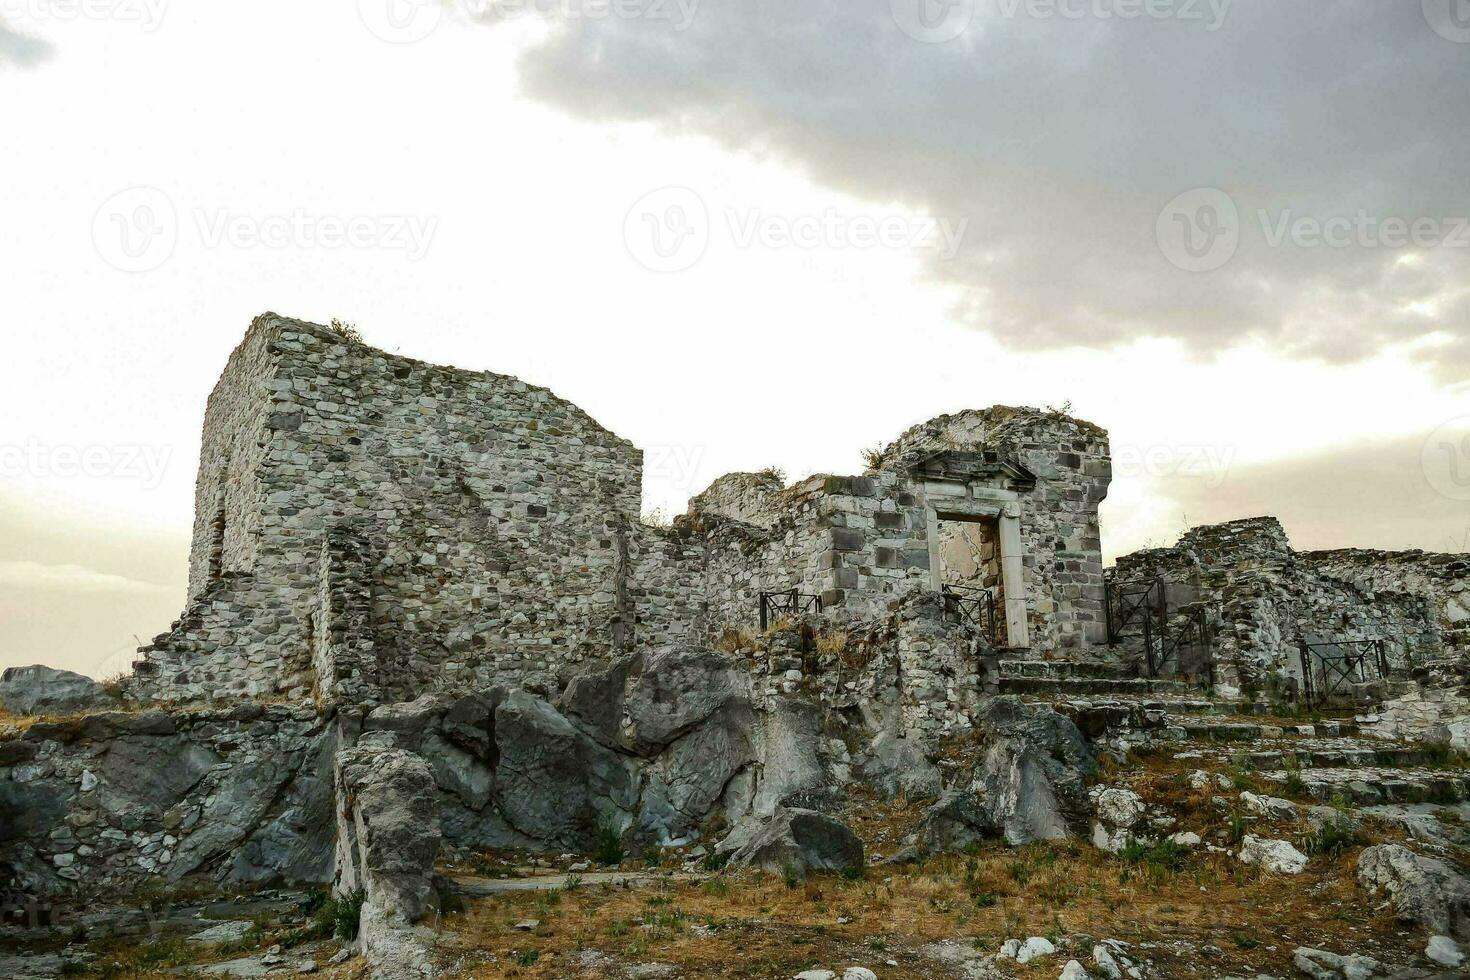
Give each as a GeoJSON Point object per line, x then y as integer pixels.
{"type": "Point", "coordinates": [1267, 599]}
{"type": "Point", "coordinates": [370, 527]}
{"type": "Point", "coordinates": [864, 542]}
{"type": "Point", "coordinates": [491, 508]}
{"type": "Point", "coordinates": [1444, 579]}
{"type": "Point", "coordinates": [228, 495]}
{"type": "Point", "coordinates": [792, 551]}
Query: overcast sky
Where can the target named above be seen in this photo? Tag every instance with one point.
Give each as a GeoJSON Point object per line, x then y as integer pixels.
{"type": "Point", "coordinates": [770, 232]}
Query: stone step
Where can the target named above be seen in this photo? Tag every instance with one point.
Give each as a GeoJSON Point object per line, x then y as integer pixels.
{"type": "Point", "coordinates": [1100, 716]}
{"type": "Point", "coordinates": [1320, 754]}
{"type": "Point", "coordinates": [1066, 686]}
{"type": "Point", "coordinates": [1244, 731]}
{"type": "Point", "coordinates": [1092, 669]}
{"type": "Point", "coordinates": [1369, 786]}
{"type": "Point", "coordinates": [1388, 757]}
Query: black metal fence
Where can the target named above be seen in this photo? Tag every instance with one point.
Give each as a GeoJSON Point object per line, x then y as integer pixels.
{"type": "Point", "coordinates": [1332, 667]}
{"type": "Point", "coordinates": [1132, 608]}
{"type": "Point", "coordinates": [25, 911]}
{"type": "Point", "coordinates": [789, 603]}
{"type": "Point", "coordinates": [971, 607]}
{"type": "Point", "coordinates": [1174, 642]}
{"type": "Point", "coordinates": [1181, 648]}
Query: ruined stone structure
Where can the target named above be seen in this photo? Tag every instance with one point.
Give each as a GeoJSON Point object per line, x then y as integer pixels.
{"type": "Point", "coordinates": [369, 528]}
{"type": "Point", "coordinates": [423, 612]}
{"type": "Point", "coordinates": [1266, 600]}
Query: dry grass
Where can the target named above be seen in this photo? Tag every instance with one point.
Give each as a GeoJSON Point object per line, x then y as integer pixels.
{"type": "Point", "coordinates": [753, 925]}
{"type": "Point", "coordinates": [832, 643]}
{"type": "Point", "coordinates": [1172, 903]}
{"type": "Point", "coordinates": [733, 639]}
{"type": "Point", "coordinates": [13, 724]}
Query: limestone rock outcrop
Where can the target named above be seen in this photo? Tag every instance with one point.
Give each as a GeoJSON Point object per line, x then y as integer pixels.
{"type": "Point", "coordinates": [1033, 773]}
{"type": "Point", "coordinates": [387, 839]}
{"type": "Point", "coordinates": [797, 842]}
{"type": "Point", "coordinates": [1425, 890]}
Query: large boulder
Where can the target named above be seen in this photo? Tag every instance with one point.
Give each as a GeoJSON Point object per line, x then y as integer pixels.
{"type": "Point", "coordinates": [687, 782]}
{"type": "Point", "coordinates": [677, 690]}
{"type": "Point", "coordinates": [790, 755]}
{"type": "Point", "coordinates": [1319, 964]}
{"type": "Point", "coordinates": [1273, 855]}
{"type": "Point", "coordinates": [39, 690]}
{"type": "Point", "coordinates": [235, 798]}
{"type": "Point", "coordinates": [387, 835]}
{"type": "Point", "coordinates": [958, 820]}
{"type": "Point", "coordinates": [797, 842]}
{"type": "Point", "coordinates": [644, 703]}
{"type": "Point", "coordinates": [141, 777]}
{"type": "Point", "coordinates": [897, 764]}
{"type": "Point", "coordinates": [554, 783]}
{"type": "Point", "coordinates": [1033, 771]}
{"type": "Point", "coordinates": [267, 812]}
{"type": "Point", "coordinates": [1425, 890]}
{"type": "Point", "coordinates": [294, 844]}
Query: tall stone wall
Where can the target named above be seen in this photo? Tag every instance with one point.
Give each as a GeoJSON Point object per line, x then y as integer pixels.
{"type": "Point", "coordinates": [492, 511]}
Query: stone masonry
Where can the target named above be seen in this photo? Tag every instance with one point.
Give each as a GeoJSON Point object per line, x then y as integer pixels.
{"type": "Point", "coordinates": [423, 612]}
{"type": "Point", "coordinates": [370, 527]}
{"type": "Point", "coordinates": [1266, 600]}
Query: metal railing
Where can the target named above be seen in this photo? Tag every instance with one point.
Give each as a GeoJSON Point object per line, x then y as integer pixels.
{"type": "Point", "coordinates": [1173, 643]}
{"type": "Point", "coordinates": [971, 607]}
{"type": "Point", "coordinates": [789, 603]}
{"type": "Point", "coordinates": [25, 911]}
{"type": "Point", "coordinates": [1165, 654]}
{"type": "Point", "coordinates": [1130, 607]}
{"type": "Point", "coordinates": [1332, 666]}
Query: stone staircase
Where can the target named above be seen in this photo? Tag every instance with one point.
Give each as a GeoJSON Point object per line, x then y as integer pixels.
{"type": "Point", "coordinates": [1062, 678]}
{"type": "Point", "coordinates": [1326, 758]}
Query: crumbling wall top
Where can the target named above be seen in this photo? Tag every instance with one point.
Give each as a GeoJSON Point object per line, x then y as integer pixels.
{"type": "Point", "coordinates": [1002, 427]}
{"type": "Point", "coordinates": [1234, 540]}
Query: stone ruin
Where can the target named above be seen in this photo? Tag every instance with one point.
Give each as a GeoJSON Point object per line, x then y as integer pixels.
{"type": "Point", "coordinates": [423, 614]}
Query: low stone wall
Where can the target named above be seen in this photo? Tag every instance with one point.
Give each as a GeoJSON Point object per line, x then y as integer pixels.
{"type": "Point", "coordinates": [1266, 600]}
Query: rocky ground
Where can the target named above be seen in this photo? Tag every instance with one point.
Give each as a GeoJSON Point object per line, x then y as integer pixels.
{"type": "Point", "coordinates": [1163, 905]}
{"type": "Point", "coordinates": [1186, 840]}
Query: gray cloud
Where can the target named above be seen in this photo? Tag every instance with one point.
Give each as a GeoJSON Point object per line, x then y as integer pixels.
{"type": "Point", "coordinates": [1374, 495]}
{"type": "Point", "coordinates": [21, 49]}
{"type": "Point", "coordinates": [79, 593]}
{"type": "Point", "coordinates": [1063, 139]}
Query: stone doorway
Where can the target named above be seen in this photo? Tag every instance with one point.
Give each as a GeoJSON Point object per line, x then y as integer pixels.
{"type": "Point", "coordinates": [982, 550]}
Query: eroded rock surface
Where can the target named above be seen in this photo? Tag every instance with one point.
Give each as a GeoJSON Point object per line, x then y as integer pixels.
{"type": "Point", "coordinates": [796, 842]}
{"type": "Point", "coordinates": [40, 690]}
{"type": "Point", "coordinates": [1425, 890]}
